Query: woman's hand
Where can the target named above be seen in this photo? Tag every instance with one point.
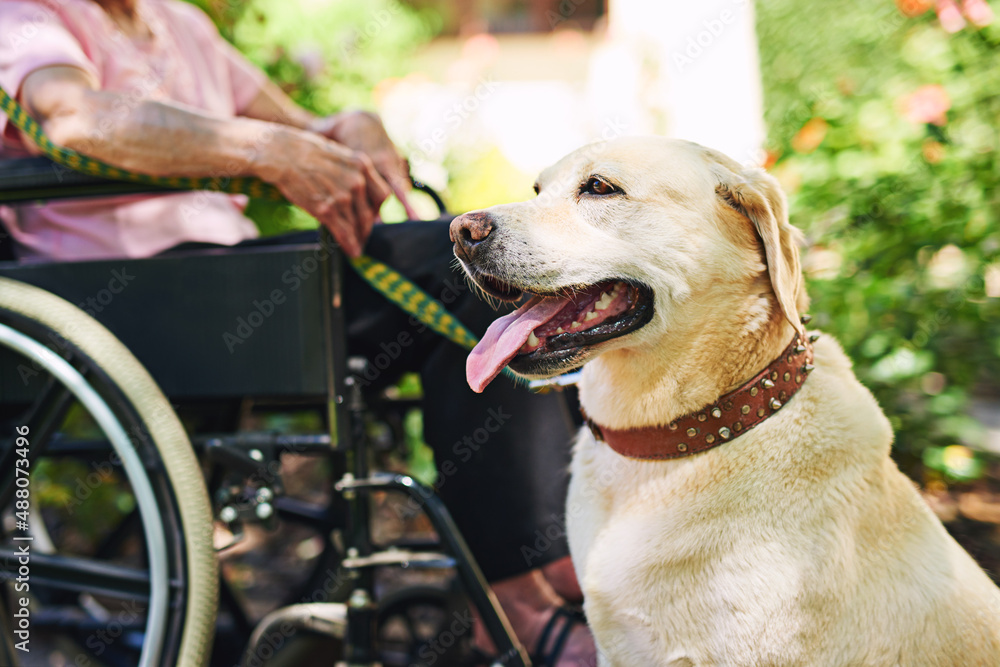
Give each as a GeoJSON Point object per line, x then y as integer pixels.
{"type": "Point", "coordinates": [363, 132]}
{"type": "Point", "coordinates": [340, 187]}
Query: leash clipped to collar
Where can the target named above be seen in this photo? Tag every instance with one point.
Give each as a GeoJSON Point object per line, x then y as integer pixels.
{"type": "Point", "coordinates": [727, 418]}
{"type": "Point", "coordinates": [391, 284]}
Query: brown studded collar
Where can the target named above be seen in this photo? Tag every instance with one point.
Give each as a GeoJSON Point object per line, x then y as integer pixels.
{"type": "Point", "coordinates": [728, 417]}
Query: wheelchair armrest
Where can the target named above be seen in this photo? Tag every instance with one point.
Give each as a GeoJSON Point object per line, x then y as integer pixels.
{"type": "Point", "coordinates": [37, 178]}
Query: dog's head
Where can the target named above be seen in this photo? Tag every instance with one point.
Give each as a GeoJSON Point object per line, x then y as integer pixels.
{"type": "Point", "coordinates": [625, 240]}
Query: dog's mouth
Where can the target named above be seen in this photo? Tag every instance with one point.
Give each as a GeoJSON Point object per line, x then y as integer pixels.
{"type": "Point", "coordinates": [550, 333]}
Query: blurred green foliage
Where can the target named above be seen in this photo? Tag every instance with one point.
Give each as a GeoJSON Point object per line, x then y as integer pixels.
{"type": "Point", "coordinates": [901, 213]}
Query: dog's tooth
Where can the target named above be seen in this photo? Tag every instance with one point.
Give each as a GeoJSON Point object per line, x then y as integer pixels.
{"type": "Point", "coordinates": [603, 302]}
{"type": "Point", "coordinates": [590, 316]}
{"type": "Point", "coordinates": [574, 325]}
{"type": "Point", "coordinates": [560, 330]}
{"type": "Point", "coordinates": [532, 339]}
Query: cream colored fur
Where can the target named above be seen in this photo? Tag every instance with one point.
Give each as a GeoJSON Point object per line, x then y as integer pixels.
{"type": "Point", "coordinates": [796, 543]}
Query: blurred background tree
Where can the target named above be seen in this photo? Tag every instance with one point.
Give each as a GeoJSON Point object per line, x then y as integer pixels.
{"type": "Point", "coordinates": [883, 130]}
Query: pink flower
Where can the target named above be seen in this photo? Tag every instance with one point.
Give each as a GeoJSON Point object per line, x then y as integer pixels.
{"type": "Point", "coordinates": [927, 104]}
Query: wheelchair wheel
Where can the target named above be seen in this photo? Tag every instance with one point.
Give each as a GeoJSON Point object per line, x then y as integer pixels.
{"type": "Point", "coordinates": [141, 587]}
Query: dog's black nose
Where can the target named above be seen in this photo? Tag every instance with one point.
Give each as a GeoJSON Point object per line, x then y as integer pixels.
{"type": "Point", "coordinates": [468, 231]}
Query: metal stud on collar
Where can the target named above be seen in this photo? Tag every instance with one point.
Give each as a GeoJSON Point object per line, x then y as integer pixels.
{"type": "Point", "coordinates": [767, 383]}
{"type": "Point", "coordinates": [775, 404]}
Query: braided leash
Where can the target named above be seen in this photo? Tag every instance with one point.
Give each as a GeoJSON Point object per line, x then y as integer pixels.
{"type": "Point", "coordinates": [388, 282]}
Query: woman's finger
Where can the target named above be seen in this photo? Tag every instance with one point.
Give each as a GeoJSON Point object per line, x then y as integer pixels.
{"type": "Point", "coordinates": [396, 173]}
{"type": "Point", "coordinates": [364, 216]}
{"type": "Point", "coordinates": [343, 234]}
{"type": "Point", "coordinates": [378, 189]}
{"type": "Point", "coordinates": [351, 242]}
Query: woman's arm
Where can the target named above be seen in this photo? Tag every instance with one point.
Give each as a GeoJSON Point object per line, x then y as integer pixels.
{"type": "Point", "coordinates": [337, 185]}
{"type": "Point", "coordinates": [273, 105]}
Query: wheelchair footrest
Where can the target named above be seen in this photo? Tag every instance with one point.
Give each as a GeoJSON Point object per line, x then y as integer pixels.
{"type": "Point", "coordinates": [323, 618]}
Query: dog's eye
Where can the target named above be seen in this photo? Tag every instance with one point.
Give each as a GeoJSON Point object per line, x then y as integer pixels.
{"type": "Point", "coordinates": [596, 185]}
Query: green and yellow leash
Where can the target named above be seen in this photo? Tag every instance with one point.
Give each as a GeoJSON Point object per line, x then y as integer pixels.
{"type": "Point", "coordinates": [385, 280]}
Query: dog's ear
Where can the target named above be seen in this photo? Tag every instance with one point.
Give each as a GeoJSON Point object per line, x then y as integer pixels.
{"type": "Point", "coordinates": [757, 195]}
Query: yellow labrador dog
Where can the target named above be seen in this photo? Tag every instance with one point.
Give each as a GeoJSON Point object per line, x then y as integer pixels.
{"type": "Point", "coordinates": [733, 501]}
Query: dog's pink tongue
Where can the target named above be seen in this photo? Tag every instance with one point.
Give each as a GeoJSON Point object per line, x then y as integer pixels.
{"type": "Point", "coordinates": [505, 337]}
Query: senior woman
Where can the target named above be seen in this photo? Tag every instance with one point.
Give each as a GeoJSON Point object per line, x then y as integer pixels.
{"type": "Point", "coordinates": [150, 86]}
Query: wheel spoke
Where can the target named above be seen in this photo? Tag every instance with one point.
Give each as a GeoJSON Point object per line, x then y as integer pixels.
{"type": "Point", "coordinates": [72, 617]}
{"type": "Point", "coordinates": [43, 418]}
{"type": "Point", "coordinates": [72, 573]}
{"type": "Point", "coordinates": [60, 445]}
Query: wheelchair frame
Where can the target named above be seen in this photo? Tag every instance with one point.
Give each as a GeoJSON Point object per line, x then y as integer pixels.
{"type": "Point", "coordinates": [32, 179]}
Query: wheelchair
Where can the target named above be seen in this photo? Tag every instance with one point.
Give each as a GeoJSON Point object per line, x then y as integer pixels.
{"type": "Point", "coordinates": [95, 379]}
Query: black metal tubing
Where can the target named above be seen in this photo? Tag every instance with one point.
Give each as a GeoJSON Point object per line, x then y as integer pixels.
{"type": "Point", "coordinates": [312, 515]}
{"type": "Point", "coordinates": [79, 574]}
{"type": "Point", "coordinates": [298, 443]}
{"type": "Point", "coordinates": [72, 618]}
{"type": "Point", "coordinates": [359, 640]}
{"type": "Point", "coordinates": [501, 632]}
{"type": "Point", "coordinates": [318, 443]}
{"type": "Point", "coordinates": [38, 178]}
{"type": "Point", "coordinates": [432, 193]}
{"type": "Point", "coordinates": [345, 407]}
